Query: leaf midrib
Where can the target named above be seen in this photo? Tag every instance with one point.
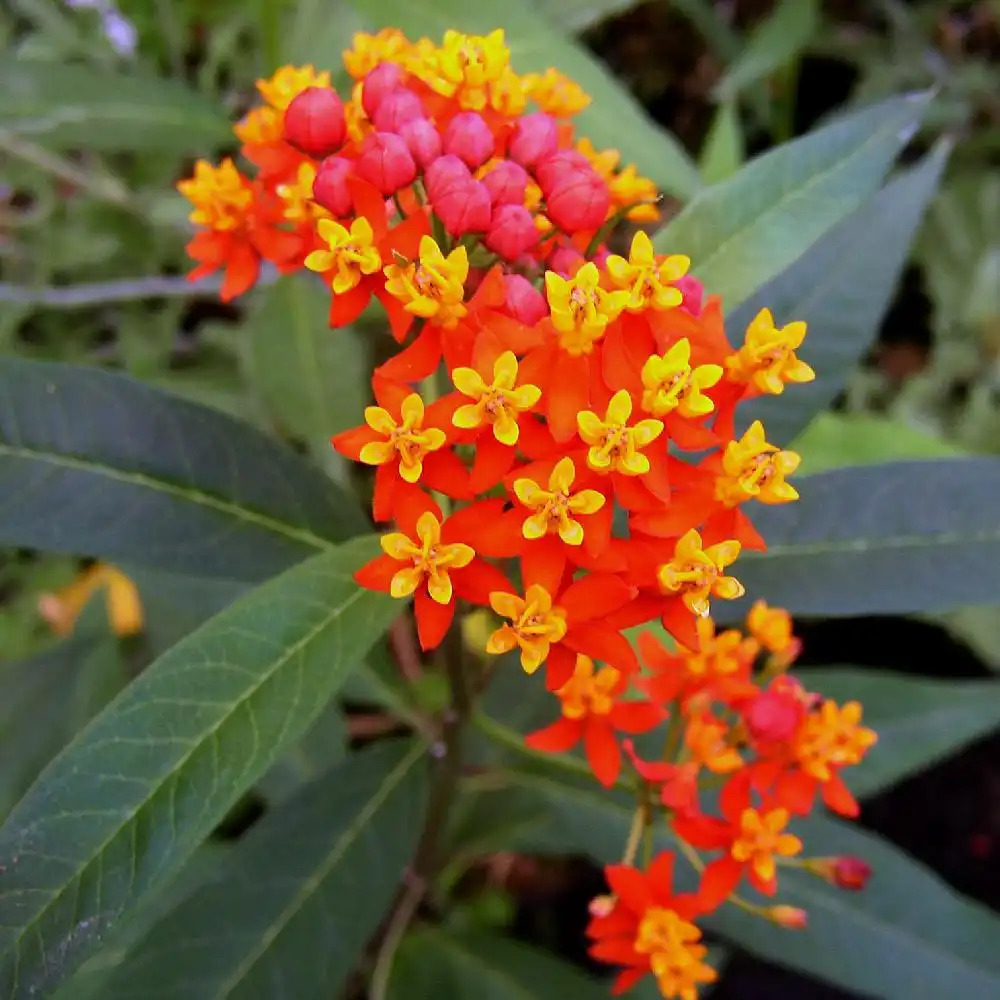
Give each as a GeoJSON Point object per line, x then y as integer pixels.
{"type": "Point", "coordinates": [310, 885]}
{"type": "Point", "coordinates": [160, 782]}
{"type": "Point", "coordinates": [874, 544]}
{"type": "Point", "coordinates": [175, 490]}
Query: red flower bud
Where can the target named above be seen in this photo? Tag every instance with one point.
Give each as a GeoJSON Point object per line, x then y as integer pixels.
{"type": "Point", "coordinates": [554, 168]}
{"type": "Point", "coordinates": [536, 137]}
{"type": "Point", "coordinates": [444, 173]}
{"type": "Point", "coordinates": [507, 182]}
{"type": "Point", "coordinates": [385, 161]}
{"type": "Point", "coordinates": [463, 208]}
{"type": "Point", "coordinates": [851, 873]}
{"type": "Point", "coordinates": [397, 108]}
{"type": "Point", "coordinates": [566, 260]}
{"type": "Point", "coordinates": [314, 122]}
{"type": "Point", "coordinates": [790, 917]}
{"type": "Point", "coordinates": [469, 138]}
{"type": "Point", "coordinates": [579, 200]}
{"type": "Point", "coordinates": [694, 293]}
{"type": "Point", "coordinates": [423, 141]}
{"type": "Point", "coordinates": [330, 186]}
{"type": "Point", "coordinates": [512, 231]}
{"type": "Point", "coordinates": [525, 303]}
{"type": "Point", "coordinates": [775, 714]}
{"type": "Point", "coordinates": [379, 83]}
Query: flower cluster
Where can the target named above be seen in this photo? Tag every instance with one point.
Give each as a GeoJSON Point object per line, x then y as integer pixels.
{"type": "Point", "coordinates": [555, 440]}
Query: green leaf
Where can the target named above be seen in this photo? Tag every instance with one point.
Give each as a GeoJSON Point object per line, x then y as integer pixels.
{"type": "Point", "coordinates": [724, 150]}
{"type": "Point", "coordinates": [883, 539]}
{"type": "Point", "coordinates": [579, 15]}
{"type": "Point", "coordinates": [842, 287]}
{"type": "Point", "coordinates": [294, 904]}
{"type": "Point", "coordinates": [96, 463]}
{"type": "Point", "coordinates": [775, 42]}
{"type": "Point", "coordinates": [314, 380]}
{"type": "Point", "coordinates": [834, 440]}
{"type": "Point", "coordinates": [907, 936]}
{"type": "Point", "coordinates": [65, 106]}
{"type": "Point", "coordinates": [48, 697]}
{"type": "Point", "coordinates": [918, 721]}
{"type": "Point", "coordinates": [433, 964]}
{"type": "Point", "coordinates": [741, 233]}
{"type": "Point", "coordinates": [613, 120]}
{"type": "Point", "coordinates": [131, 798]}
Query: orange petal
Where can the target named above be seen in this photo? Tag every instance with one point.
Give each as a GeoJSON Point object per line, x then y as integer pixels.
{"type": "Point", "coordinates": [444, 472]}
{"type": "Point", "coordinates": [416, 362]}
{"type": "Point", "coordinates": [493, 461]}
{"type": "Point", "coordinates": [569, 393]}
{"type": "Point", "coordinates": [593, 596]}
{"type": "Point", "coordinates": [602, 643]}
{"type": "Point", "coordinates": [478, 580]}
{"type": "Point", "coordinates": [348, 306]}
{"type": "Point", "coordinates": [433, 619]}
{"type": "Point", "coordinates": [601, 748]}
{"type": "Point", "coordinates": [635, 716]}
{"type": "Point", "coordinates": [561, 736]}
{"type": "Point", "coordinates": [718, 882]}
{"type": "Point", "coordinates": [377, 574]}
{"type": "Point", "coordinates": [544, 562]}
{"type": "Point", "coordinates": [559, 666]}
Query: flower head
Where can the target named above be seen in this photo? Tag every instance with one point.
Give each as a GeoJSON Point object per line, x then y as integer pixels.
{"type": "Point", "coordinates": [696, 573]}
{"type": "Point", "coordinates": [432, 287]}
{"type": "Point", "coordinates": [533, 625]}
{"type": "Point", "coordinates": [553, 509]}
{"type": "Point", "coordinates": [581, 309]}
{"type": "Point", "coordinates": [670, 384]}
{"type": "Point", "coordinates": [499, 403]}
{"type": "Point", "coordinates": [767, 358]}
{"type": "Point", "coordinates": [649, 279]}
{"type": "Point", "coordinates": [614, 443]}
{"type": "Point", "coordinates": [752, 468]}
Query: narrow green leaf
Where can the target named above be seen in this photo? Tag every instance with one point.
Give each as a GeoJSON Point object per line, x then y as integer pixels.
{"type": "Point", "coordinates": [918, 721]}
{"type": "Point", "coordinates": [724, 150]}
{"type": "Point", "coordinates": [314, 380]}
{"type": "Point", "coordinates": [96, 463]}
{"type": "Point", "coordinates": [48, 697]}
{"type": "Point", "coordinates": [842, 287]}
{"type": "Point", "coordinates": [477, 965]}
{"type": "Point", "coordinates": [65, 106]}
{"type": "Point", "coordinates": [741, 233]}
{"type": "Point", "coordinates": [907, 936]}
{"type": "Point", "coordinates": [835, 440]}
{"type": "Point", "coordinates": [895, 539]}
{"type": "Point", "coordinates": [613, 120]}
{"type": "Point", "coordinates": [130, 799]}
{"type": "Point", "coordinates": [776, 41]}
{"type": "Point", "coordinates": [294, 904]}
{"type": "Point", "coordinates": [579, 15]}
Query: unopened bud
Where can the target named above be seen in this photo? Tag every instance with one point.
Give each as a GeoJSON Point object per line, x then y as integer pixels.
{"type": "Point", "coordinates": [554, 168]}
{"type": "Point", "coordinates": [385, 162]}
{"type": "Point", "coordinates": [423, 141]}
{"type": "Point", "coordinates": [525, 303]}
{"type": "Point", "coordinates": [693, 291]}
{"type": "Point", "coordinates": [536, 137]}
{"type": "Point", "coordinates": [314, 122]}
{"type": "Point", "coordinates": [396, 109]}
{"type": "Point", "coordinates": [444, 173]}
{"type": "Point", "coordinates": [578, 201]}
{"type": "Point", "coordinates": [330, 186]}
{"type": "Point", "coordinates": [601, 906]}
{"type": "Point", "coordinates": [507, 183]}
{"type": "Point", "coordinates": [379, 83]}
{"type": "Point", "coordinates": [791, 917]}
{"type": "Point", "coordinates": [464, 208]}
{"type": "Point", "coordinates": [844, 872]}
{"type": "Point", "coordinates": [512, 231]}
{"type": "Point", "coordinates": [469, 138]}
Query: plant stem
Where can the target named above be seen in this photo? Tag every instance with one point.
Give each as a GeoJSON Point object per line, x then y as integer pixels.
{"type": "Point", "coordinates": [640, 818]}
{"type": "Point", "coordinates": [405, 911]}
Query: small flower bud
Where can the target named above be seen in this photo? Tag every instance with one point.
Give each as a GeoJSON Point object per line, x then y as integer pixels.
{"type": "Point", "coordinates": [579, 200]}
{"type": "Point", "coordinates": [444, 173]}
{"type": "Point", "coordinates": [423, 141]}
{"type": "Point", "coordinates": [601, 906]}
{"type": "Point", "coordinates": [566, 260]}
{"type": "Point", "coordinates": [330, 186]}
{"type": "Point", "coordinates": [512, 231]}
{"type": "Point", "coordinates": [397, 108]}
{"type": "Point", "coordinates": [693, 291]}
{"type": "Point", "coordinates": [463, 208]}
{"type": "Point", "coordinates": [536, 137]}
{"type": "Point", "coordinates": [554, 168]}
{"type": "Point", "coordinates": [469, 138]}
{"type": "Point", "coordinates": [507, 183]}
{"type": "Point", "coordinates": [385, 162]}
{"type": "Point", "coordinates": [775, 714]}
{"type": "Point", "coordinates": [844, 872]}
{"type": "Point", "coordinates": [314, 122]}
{"type": "Point", "coordinates": [791, 917]}
{"type": "Point", "coordinates": [525, 303]}
{"type": "Point", "coordinates": [379, 83]}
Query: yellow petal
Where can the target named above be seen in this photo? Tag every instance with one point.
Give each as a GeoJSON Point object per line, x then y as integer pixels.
{"type": "Point", "coordinates": [439, 588]}
{"type": "Point", "coordinates": [412, 410]}
{"type": "Point", "coordinates": [619, 409]}
{"type": "Point", "coordinates": [536, 526]}
{"type": "Point", "coordinates": [505, 370]}
{"type": "Point", "coordinates": [397, 545]}
{"type": "Point", "coordinates": [468, 416]}
{"type": "Point", "coordinates": [570, 531]}
{"type": "Point", "coordinates": [506, 605]}
{"type": "Point", "coordinates": [406, 581]}
{"type": "Point", "coordinates": [468, 382]}
{"type": "Point", "coordinates": [562, 475]}
{"type": "Point", "coordinates": [587, 502]}
{"type": "Point", "coordinates": [524, 397]}
{"type": "Point", "coordinates": [505, 429]}
{"type": "Point", "coordinates": [379, 420]}
{"type": "Point", "coordinates": [591, 427]}
{"type": "Point", "coordinates": [376, 453]}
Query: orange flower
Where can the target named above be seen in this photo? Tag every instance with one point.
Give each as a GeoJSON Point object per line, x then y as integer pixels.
{"type": "Point", "coordinates": [755, 469]}
{"type": "Point", "coordinates": [555, 93]}
{"type": "Point", "coordinates": [431, 286]}
{"type": "Point", "coordinates": [647, 929]}
{"type": "Point", "coordinates": [648, 277]}
{"type": "Point", "coordinates": [428, 560]}
{"type": "Point", "coordinates": [772, 628]}
{"type": "Point", "coordinates": [406, 441]}
{"type": "Point", "coordinates": [767, 358]}
{"type": "Point", "coordinates": [592, 711]}
{"type": "Point", "coordinates": [696, 573]}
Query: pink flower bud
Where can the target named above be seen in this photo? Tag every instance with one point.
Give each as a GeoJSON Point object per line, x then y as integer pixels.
{"type": "Point", "coordinates": [444, 173]}
{"type": "Point", "coordinates": [507, 182]}
{"type": "Point", "coordinates": [463, 208]}
{"type": "Point", "coordinates": [379, 83]}
{"type": "Point", "coordinates": [536, 137]}
{"type": "Point", "coordinates": [694, 294]}
{"type": "Point", "coordinates": [423, 141]}
{"type": "Point", "coordinates": [512, 231]}
{"type": "Point", "coordinates": [525, 303]}
{"type": "Point", "coordinates": [579, 201]}
{"type": "Point", "coordinates": [385, 161]}
{"type": "Point", "coordinates": [566, 260]}
{"type": "Point", "coordinates": [397, 108]}
{"type": "Point", "coordinates": [330, 186]}
{"type": "Point", "coordinates": [851, 873]}
{"type": "Point", "coordinates": [314, 122]}
{"type": "Point", "coordinates": [550, 171]}
{"type": "Point", "coordinates": [469, 138]}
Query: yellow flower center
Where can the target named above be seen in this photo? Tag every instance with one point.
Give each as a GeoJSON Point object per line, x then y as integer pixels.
{"type": "Point", "coordinates": [553, 507]}
{"type": "Point", "coordinates": [754, 468]}
{"type": "Point", "coordinates": [581, 309]}
{"type": "Point", "coordinates": [615, 446]}
{"type": "Point", "coordinates": [587, 692]}
{"type": "Point", "coordinates": [350, 253]}
{"type": "Point", "coordinates": [409, 440]}
{"type": "Point", "coordinates": [432, 287]}
{"type": "Point", "coordinates": [499, 404]}
{"type": "Point", "coordinates": [533, 625]}
{"type": "Point", "coordinates": [762, 837]}
{"type": "Point", "coordinates": [221, 195]}
{"type": "Point", "coordinates": [670, 383]}
{"type": "Point", "coordinates": [431, 560]}
{"type": "Point", "coordinates": [696, 573]}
